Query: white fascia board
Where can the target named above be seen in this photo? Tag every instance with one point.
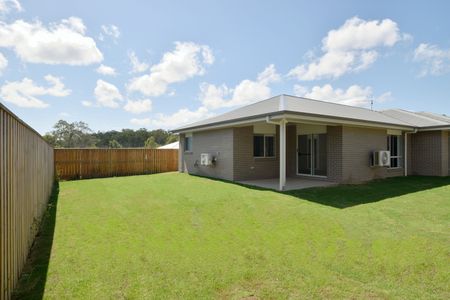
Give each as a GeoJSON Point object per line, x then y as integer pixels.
{"type": "Point", "coordinates": [333, 121]}
{"type": "Point", "coordinates": [224, 125]}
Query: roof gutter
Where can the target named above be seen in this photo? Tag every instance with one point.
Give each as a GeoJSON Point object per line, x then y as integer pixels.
{"type": "Point", "coordinates": [431, 128]}
{"type": "Point", "coordinates": [269, 121]}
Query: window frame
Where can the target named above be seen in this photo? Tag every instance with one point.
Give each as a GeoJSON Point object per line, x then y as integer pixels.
{"type": "Point", "coordinates": [399, 156]}
{"type": "Point", "coordinates": [264, 136]}
{"type": "Point", "coordinates": [186, 143]}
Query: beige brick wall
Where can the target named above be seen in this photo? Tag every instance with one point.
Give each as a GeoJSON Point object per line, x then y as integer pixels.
{"type": "Point", "coordinates": [291, 150]}
{"type": "Point", "coordinates": [334, 153]}
{"type": "Point", "coordinates": [181, 161]}
{"type": "Point", "coordinates": [409, 159]}
{"type": "Point", "coordinates": [446, 152]}
{"type": "Point", "coordinates": [217, 142]}
{"type": "Point", "coordinates": [247, 167]}
{"type": "Point", "coordinates": [429, 153]}
{"type": "Point", "coordinates": [358, 143]}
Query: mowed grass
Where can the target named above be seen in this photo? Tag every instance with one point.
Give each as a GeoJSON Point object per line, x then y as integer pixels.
{"type": "Point", "coordinates": [175, 236]}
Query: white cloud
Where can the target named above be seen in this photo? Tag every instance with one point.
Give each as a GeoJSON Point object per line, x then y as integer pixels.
{"type": "Point", "coordinates": [107, 94]}
{"type": "Point", "coordinates": [179, 118]}
{"type": "Point", "coordinates": [354, 95]}
{"type": "Point", "coordinates": [58, 43]}
{"type": "Point", "coordinates": [106, 70]}
{"type": "Point", "coordinates": [138, 106]}
{"type": "Point", "coordinates": [3, 63]}
{"type": "Point", "coordinates": [111, 31]}
{"type": "Point", "coordinates": [387, 96]}
{"type": "Point", "coordinates": [350, 48]}
{"type": "Point", "coordinates": [141, 122]}
{"type": "Point", "coordinates": [87, 103]}
{"type": "Point", "coordinates": [24, 93]}
{"type": "Point", "coordinates": [7, 5]}
{"type": "Point", "coordinates": [185, 61]}
{"type": "Point", "coordinates": [246, 92]}
{"type": "Point", "coordinates": [436, 61]}
{"type": "Point", "coordinates": [64, 115]}
{"type": "Point", "coordinates": [136, 65]}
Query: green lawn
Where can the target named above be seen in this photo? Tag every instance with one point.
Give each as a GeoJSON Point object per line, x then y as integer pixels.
{"type": "Point", "coordinates": [184, 237]}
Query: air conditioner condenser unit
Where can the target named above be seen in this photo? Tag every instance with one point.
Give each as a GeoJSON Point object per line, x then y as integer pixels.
{"type": "Point", "coordinates": [206, 159]}
{"type": "Point", "coordinates": [381, 158]}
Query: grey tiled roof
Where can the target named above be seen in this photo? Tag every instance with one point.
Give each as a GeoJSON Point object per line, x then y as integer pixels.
{"type": "Point", "coordinates": [303, 106]}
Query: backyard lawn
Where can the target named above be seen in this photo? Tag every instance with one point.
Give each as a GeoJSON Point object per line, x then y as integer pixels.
{"type": "Point", "coordinates": [178, 236]}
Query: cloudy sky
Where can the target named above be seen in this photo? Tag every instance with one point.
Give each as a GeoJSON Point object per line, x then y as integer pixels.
{"type": "Point", "coordinates": [161, 64]}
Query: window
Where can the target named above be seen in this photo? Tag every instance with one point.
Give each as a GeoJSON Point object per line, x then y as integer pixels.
{"type": "Point", "coordinates": [188, 143]}
{"type": "Point", "coordinates": [395, 146]}
{"type": "Point", "coordinates": [269, 145]}
{"type": "Point", "coordinates": [263, 145]}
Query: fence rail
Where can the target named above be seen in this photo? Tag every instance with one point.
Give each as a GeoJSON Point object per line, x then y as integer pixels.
{"type": "Point", "coordinates": [94, 163]}
{"type": "Point", "coordinates": [26, 179]}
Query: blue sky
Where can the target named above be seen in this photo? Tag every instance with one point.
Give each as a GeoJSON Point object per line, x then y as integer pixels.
{"type": "Point", "coordinates": [159, 64]}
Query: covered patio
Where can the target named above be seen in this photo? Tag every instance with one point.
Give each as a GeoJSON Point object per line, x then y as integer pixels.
{"type": "Point", "coordinates": [292, 183]}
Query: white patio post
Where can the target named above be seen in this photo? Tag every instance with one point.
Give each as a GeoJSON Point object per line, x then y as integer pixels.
{"type": "Point", "coordinates": [282, 154]}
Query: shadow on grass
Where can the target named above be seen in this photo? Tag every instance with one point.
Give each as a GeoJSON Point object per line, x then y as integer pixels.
{"type": "Point", "coordinates": [348, 195]}
{"type": "Point", "coordinates": [34, 275]}
{"type": "Point", "coordinates": [343, 196]}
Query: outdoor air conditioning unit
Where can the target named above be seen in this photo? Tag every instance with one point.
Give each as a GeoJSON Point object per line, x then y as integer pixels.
{"type": "Point", "coordinates": [206, 159]}
{"type": "Point", "coordinates": [381, 158]}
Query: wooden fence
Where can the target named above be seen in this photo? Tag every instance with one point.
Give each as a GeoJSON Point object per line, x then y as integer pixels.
{"type": "Point", "coordinates": [26, 179]}
{"type": "Point", "coordinates": [93, 163]}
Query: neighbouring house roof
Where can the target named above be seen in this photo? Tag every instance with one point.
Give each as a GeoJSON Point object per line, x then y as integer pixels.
{"type": "Point", "coordinates": [174, 145]}
{"type": "Point", "coordinates": [291, 105]}
{"type": "Point", "coordinates": [419, 119]}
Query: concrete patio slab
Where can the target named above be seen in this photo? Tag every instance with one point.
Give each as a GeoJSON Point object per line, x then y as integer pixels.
{"type": "Point", "coordinates": [291, 183]}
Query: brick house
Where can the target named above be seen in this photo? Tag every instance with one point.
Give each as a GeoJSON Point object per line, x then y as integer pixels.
{"type": "Point", "coordinates": [291, 137]}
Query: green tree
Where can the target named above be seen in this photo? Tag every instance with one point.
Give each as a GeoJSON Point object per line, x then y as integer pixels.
{"type": "Point", "coordinates": [50, 138]}
{"type": "Point", "coordinates": [78, 134]}
{"type": "Point", "coordinates": [151, 143]}
{"type": "Point", "coordinates": [171, 139]}
{"type": "Point", "coordinates": [114, 144]}
{"type": "Point", "coordinates": [72, 135]}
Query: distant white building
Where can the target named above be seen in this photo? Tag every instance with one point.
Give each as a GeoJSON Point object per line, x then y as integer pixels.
{"type": "Point", "coordinates": [174, 145]}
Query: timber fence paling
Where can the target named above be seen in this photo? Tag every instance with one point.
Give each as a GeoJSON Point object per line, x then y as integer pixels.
{"type": "Point", "coordinates": [96, 163]}
{"type": "Point", "coordinates": [26, 180]}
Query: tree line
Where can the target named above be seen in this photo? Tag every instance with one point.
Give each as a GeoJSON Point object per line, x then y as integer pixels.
{"type": "Point", "coordinates": [79, 135]}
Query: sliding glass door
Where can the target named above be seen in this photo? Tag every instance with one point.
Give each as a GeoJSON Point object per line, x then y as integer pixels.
{"type": "Point", "coordinates": [304, 154]}
{"type": "Point", "coordinates": [312, 154]}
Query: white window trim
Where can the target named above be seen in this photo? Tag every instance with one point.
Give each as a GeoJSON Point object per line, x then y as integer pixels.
{"type": "Point", "coordinates": [264, 145]}
{"type": "Point", "coordinates": [399, 157]}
